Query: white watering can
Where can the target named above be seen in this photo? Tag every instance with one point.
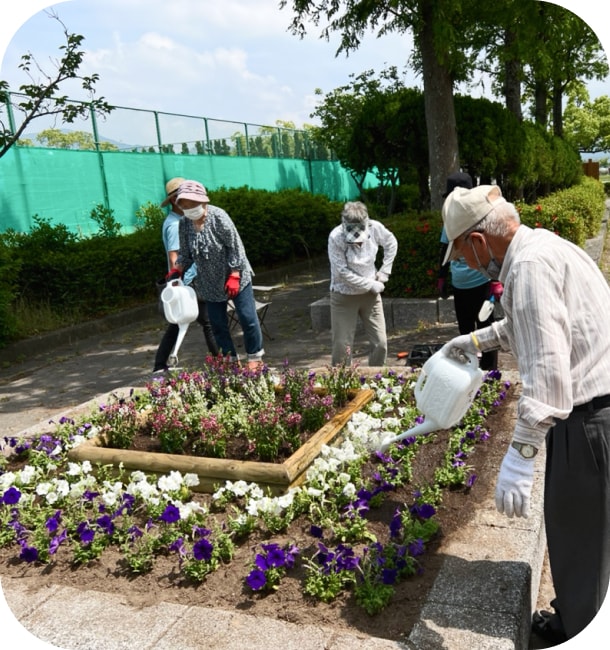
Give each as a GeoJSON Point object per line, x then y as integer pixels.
{"type": "Point", "coordinates": [181, 308]}
{"type": "Point", "coordinates": [445, 389]}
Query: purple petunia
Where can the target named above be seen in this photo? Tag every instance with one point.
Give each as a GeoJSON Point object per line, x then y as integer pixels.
{"type": "Point", "coordinates": [29, 553]}
{"type": "Point", "coordinates": [85, 532]}
{"type": "Point", "coordinates": [170, 515]}
{"type": "Point", "coordinates": [396, 524]}
{"type": "Point", "coordinates": [202, 550]}
{"type": "Point", "coordinates": [389, 576]}
{"type": "Point", "coordinates": [11, 496]}
{"type": "Point", "coordinates": [316, 531]}
{"type": "Point", "coordinates": [52, 523]}
{"type": "Point", "coordinates": [57, 540]}
{"type": "Point", "coordinates": [106, 524]}
{"type": "Point", "coordinates": [275, 555]}
{"type": "Point", "coordinates": [423, 511]}
{"type": "Point", "coordinates": [256, 579]}
{"type": "Point", "coordinates": [416, 548]}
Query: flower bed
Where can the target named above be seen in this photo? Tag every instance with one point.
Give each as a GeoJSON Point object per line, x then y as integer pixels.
{"type": "Point", "coordinates": [268, 431]}
{"type": "Point", "coordinates": [329, 534]}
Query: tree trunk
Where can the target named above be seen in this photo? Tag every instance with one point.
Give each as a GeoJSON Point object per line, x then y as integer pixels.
{"type": "Point", "coordinates": [558, 110]}
{"type": "Point", "coordinates": [540, 99]}
{"type": "Point", "coordinates": [512, 74]}
{"type": "Point", "coordinates": [443, 153]}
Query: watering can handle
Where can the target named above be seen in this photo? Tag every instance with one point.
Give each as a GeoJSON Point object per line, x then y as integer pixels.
{"type": "Point", "coordinates": [463, 356]}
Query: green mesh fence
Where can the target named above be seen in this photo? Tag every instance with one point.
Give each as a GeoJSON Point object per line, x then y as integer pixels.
{"type": "Point", "coordinates": [63, 186]}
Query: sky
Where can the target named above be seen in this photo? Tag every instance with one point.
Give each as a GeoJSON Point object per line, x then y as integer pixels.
{"type": "Point", "coordinates": [223, 59]}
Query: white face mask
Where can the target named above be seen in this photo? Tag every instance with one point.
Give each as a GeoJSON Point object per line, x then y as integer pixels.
{"type": "Point", "coordinates": [193, 213]}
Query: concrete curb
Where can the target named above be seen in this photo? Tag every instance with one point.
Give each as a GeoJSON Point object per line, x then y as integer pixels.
{"type": "Point", "coordinates": [400, 313]}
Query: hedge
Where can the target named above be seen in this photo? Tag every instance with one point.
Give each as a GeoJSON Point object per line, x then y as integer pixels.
{"type": "Point", "coordinates": [108, 272]}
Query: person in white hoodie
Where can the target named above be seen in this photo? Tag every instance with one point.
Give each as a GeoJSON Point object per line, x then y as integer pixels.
{"type": "Point", "coordinates": [356, 284]}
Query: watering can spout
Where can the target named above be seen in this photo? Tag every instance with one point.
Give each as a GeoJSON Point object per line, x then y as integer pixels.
{"type": "Point", "coordinates": [443, 392]}
{"type": "Point", "coordinates": [180, 307]}
{"type": "Point", "coordinates": [427, 426]}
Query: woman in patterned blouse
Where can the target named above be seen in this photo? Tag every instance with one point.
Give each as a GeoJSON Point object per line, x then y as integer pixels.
{"type": "Point", "coordinates": [209, 238]}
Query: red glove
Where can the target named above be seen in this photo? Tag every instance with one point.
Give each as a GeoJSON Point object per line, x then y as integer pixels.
{"type": "Point", "coordinates": [174, 274]}
{"type": "Point", "coordinates": [496, 289]}
{"type": "Point", "coordinates": [232, 286]}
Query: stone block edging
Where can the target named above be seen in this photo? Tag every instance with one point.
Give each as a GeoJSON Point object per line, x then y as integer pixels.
{"type": "Point", "coordinates": [400, 313]}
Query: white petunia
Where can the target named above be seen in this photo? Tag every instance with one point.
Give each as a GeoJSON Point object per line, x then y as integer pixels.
{"type": "Point", "coordinates": [191, 480]}
{"type": "Point", "coordinates": [349, 490]}
{"type": "Point", "coordinates": [43, 488]}
{"type": "Point", "coordinates": [74, 469]}
{"type": "Point", "coordinates": [51, 498]}
{"type": "Point", "coordinates": [6, 480]}
{"type": "Point", "coordinates": [62, 486]}
{"type": "Point", "coordinates": [170, 482]}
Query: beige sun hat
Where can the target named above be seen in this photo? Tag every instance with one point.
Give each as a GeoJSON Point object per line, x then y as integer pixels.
{"type": "Point", "coordinates": [171, 187]}
{"type": "Point", "coordinates": [464, 208]}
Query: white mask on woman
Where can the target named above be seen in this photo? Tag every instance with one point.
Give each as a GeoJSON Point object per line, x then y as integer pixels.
{"type": "Point", "coordinates": [193, 213]}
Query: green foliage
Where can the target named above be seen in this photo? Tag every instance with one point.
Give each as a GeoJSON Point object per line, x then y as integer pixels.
{"type": "Point", "coordinates": [575, 213]}
{"type": "Point", "coordinates": [295, 223]}
{"type": "Point", "coordinates": [107, 225]}
{"type": "Point", "coordinates": [42, 97]}
{"type": "Point", "coordinates": [90, 277]}
{"type": "Point", "coordinates": [416, 264]}
{"type": "Point", "coordinates": [150, 216]}
{"type": "Point", "coordinates": [8, 281]}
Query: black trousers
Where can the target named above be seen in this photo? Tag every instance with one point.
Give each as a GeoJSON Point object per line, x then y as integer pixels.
{"type": "Point", "coordinates": [467, 304]}
{"type": "Point", "coordinates": [577, 515]}
{"type": "Point", "coordinates": [171, 335]}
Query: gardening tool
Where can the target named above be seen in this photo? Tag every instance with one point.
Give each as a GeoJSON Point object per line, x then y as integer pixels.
{"type": "Point", "coordinates": [180, 307]}
{"type": "Point", "coordinates": [443, 392]}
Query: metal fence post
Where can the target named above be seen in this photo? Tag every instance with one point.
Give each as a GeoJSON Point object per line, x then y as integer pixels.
{"type": "Point", "coordinates": [100, 157]}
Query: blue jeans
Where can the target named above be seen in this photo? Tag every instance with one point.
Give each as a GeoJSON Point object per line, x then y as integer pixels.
{"type": "Point", "coordinates": [245, 308]}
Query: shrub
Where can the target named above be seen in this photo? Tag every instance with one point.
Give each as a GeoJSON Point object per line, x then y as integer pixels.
{"type": "Point", "coordinates": [575, 213]}
{"type": "Point", "coordinates": [415, 268]}
{"type": "Point", "coordinates": [90, 277]}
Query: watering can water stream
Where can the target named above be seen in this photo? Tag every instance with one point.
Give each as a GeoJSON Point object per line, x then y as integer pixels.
{"type": "Point", "coordinates": [181, 308]}
{"type": "Point", "coordinates": [444, 392]}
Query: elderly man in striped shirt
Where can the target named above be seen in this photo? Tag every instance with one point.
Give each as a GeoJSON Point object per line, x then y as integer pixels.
{"type": "Point", "coordinates": [557, 324]}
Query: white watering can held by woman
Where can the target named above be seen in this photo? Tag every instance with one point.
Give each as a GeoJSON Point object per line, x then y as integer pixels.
{"type": "Point", "coordinates": [180, 307]}
{"type": "Point", "coordinates": [445, 389]}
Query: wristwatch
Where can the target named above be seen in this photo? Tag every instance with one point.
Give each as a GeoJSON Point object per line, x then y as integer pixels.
{"type": "Point", "coordinates": [527, 451]}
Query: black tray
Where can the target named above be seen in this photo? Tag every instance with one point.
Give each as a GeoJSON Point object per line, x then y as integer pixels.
{"type": "Point", "coordinates": [419, 354]}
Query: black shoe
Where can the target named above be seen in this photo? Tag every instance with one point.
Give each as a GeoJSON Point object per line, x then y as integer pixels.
{"type": "Point", "coordinates": [548, 627]}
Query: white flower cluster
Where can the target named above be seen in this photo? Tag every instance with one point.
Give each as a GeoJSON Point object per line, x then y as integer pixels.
{"type": "Point", "coordinates": [164, 490]}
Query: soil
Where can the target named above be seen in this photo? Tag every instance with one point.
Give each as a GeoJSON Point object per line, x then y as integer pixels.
{"type": "Point", "coordinates": [226, 587]}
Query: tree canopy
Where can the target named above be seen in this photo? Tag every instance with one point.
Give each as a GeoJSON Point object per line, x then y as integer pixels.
{"type": "Point", "coordinates": [42, 96]}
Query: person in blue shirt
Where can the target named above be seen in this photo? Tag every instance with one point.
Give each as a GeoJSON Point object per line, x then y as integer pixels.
{"type": "Point", "coordinates": [171, 242]}
{"type": "Point", "coordinates": [470, 287]}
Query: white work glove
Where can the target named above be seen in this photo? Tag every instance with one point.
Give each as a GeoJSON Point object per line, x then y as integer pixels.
{"type": "Point", "coordinates": [514, 486]}
{"type": "Point", "coordinates": [458, 346]}
{"type": "Point", "coordinates": [380, 276]}
{"type": "Point", "coordinates": [377, 287]}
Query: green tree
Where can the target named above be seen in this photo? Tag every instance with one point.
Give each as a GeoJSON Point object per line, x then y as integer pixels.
{"type": "Point", "coordinates": [42, 96]}
{"type": "Point", "coordinates": [587, 123]}
{"type": "Point", "coordinates": [71, 140]}
{"type": "Point", "coordinates": [441, 58]}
